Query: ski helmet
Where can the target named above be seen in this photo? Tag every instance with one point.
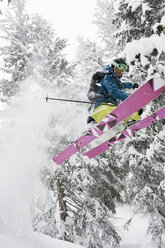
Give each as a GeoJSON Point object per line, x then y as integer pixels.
{"type": "Point", "coordinates": [120, 64]}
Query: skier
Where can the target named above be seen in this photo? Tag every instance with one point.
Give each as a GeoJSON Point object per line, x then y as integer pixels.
{"type": "Point", "coordinates": [110, 92]}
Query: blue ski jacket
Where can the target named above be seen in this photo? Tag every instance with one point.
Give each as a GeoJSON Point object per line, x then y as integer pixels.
{"type": "Point", "coordinates": [111, 89]}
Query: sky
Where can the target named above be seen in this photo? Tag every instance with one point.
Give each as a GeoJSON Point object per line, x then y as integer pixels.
{"type": "Point", "coordinates": [70, 18]}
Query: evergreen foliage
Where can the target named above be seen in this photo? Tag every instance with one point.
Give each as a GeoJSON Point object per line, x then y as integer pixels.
{"type": "Point", "coordinates": [31, 46]}
{"type": "Point", "coordinates": [104, 16]}
{"type": "Point", "coordinates": [83, 203]}
{"type": "Point", "coordinates": [136, 19]}
{"type": "Point", "coordinates": [141, 25]}
{"type": "Point", "coordinates": [88, 61]}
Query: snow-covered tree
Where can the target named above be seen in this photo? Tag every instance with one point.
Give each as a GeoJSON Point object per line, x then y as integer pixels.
{"type": "Point", "coordinates": [31, 45]}
{"type": "Point", "coordinates": [104, 16]}
{"type": "Point", "coordinates": [136, 19]}
{"type": "Point", "coordinates": [146, 175]}
{"type": "Point", "coordinates": [88, 61]}
{"type": "Point", "coordinates": [82, 200]}
{"type": "Point", "coordinates": [144, 51]}
{"type": "Point", "coordinates": [141, 35]}
{"type": "Point", "coordinates": [8, 3]}
{"type": "Point", "coordinates": [88, 58]}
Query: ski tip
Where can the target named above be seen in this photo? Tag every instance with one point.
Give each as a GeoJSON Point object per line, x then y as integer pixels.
{"type": "Point", "coordinates": [86, 157]}
{"type": "Point", "coordinates": [58, 162]}
{"type": "Point", "coordinates": [158, 83]}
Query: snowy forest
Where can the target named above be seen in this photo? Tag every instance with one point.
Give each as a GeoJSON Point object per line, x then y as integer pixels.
{"type": "Point", "coordinates": [78, 200]}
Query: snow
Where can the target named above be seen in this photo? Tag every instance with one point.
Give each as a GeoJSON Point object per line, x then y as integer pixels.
{"type": "Point", "coordinates": [33, 241]}
{"type": "Point", "coordinates": [23, 124]}
{"type": "Point", "coordinates": [158, 83]}
{"type": "Point", "coordinates": [145, 7]}
{"type": "Point", "coordinates": [133, 4]}
{"type": "Point", "coordinates": [144, 46]}
{"type": "Point", "coordinates": [133, 235]}
{"type": "Point", "coordinates": [162, 21]}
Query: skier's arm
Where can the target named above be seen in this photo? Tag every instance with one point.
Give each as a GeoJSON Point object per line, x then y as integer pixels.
{"type": "Point", "coordinates": [127, 85]}
{"type": "Point", "coordinates": [110, 84]}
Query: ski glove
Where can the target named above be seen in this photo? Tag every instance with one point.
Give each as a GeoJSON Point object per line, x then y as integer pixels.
{"type": "Point", "coordinates": [135, 85]}
{"type": "Point", "coordinates": [140, 112]}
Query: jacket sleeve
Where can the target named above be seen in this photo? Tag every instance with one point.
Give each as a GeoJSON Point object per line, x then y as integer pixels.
{"type": "Point", "coordinates": [110, 85]}
{"type": "Point", "coordinates": [127, 85]}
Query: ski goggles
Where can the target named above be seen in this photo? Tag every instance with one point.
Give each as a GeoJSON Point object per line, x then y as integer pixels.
{"type": "Point", "coordinates": [120, 67]}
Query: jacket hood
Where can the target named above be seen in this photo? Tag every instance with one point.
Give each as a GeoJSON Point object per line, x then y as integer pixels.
{"type": "Point", "coordinates": [109, 68]}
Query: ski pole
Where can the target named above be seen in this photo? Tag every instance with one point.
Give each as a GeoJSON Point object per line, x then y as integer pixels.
{"type": "Point", "coordinates": [70, 100]}
{"type": "Point", "coordinates": [66, 100]}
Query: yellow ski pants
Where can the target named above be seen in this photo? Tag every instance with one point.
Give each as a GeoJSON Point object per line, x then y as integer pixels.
{"type": "Point", "coordinates": [103, 110]}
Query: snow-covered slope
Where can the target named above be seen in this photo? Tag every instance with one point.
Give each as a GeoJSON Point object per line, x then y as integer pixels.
{"type": "Point", "coordinates": [33, 241]}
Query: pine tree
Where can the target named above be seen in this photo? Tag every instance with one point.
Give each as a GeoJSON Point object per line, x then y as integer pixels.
{"type": "Point", "coordinates": [8, 3]}
{"type": "Point", "coordinates": [144, 19]}
{"type": "Point", "coordinates": [144, 51]}
{"type": "Point", "coordinates": [146, 174]}
{"type": "Point", "coordinates": [82, 200]}
{"type": "Point", "coordinates": [136, 20]}
{"type": "Point", "coordinates": [88, 61]}
{"type": "Point", "coordinates": [155, 155]}
{"type": "Point", "coordinates": [14, 59]}
{"type": "Point", "coordinates": [31, 47]}
{"type": "Point", "coordinates": [104, 16]}
{"type": "Point", "coordinates": [88, 57]}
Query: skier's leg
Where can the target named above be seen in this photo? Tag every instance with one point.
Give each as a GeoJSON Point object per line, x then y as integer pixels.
{"type": "Point", "coordinates": [101, 111]}
{"type": "Point", "coordinates": [132, 118]}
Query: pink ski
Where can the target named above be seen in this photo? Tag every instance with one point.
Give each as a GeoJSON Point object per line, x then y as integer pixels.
{"type": "Point", "coordinates": [158, 115]}
{"type": "Point", "coordinates": [145, 94]}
